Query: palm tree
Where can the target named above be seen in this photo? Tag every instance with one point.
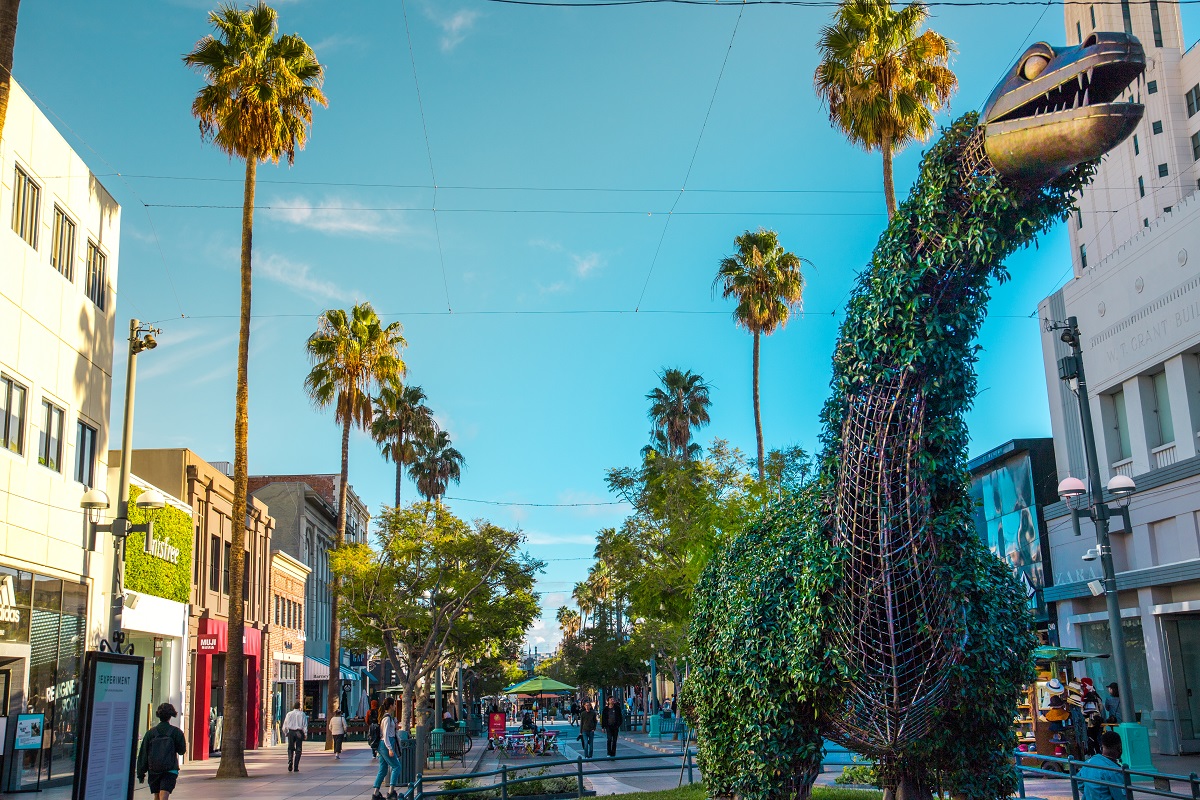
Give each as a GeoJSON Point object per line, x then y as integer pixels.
{"type": "Point", "coordinates": [768, 285]}
{"type": "Point", "coordinates": [256, 104]}
{"type": "Point", "coordinates": [568, 622]}
{"type": "Point", "coordinates": [8, 39]}
{"type": "Point", "coordinates": [351, 354]}
{"type": "Point", "coordinates": [401, 420]}
{"type": "Point", "coordinates": [583, 597]}
{"type": "Point", "coordinates": [882, 80]}
{"type": "Point", "coordinates": [436, 464]}
{"type": "Point", "coordinates": [676, 408]}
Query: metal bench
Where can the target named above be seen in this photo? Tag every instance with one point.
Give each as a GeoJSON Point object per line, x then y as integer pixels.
{"type": "Point", "coordinates": [668, 726]}
{"type": "Point", "coordinates": [446, 744]}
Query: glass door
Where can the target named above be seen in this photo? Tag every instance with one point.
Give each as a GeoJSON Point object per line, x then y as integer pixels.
{"type": "Point", "coordinates": [1183, 645]}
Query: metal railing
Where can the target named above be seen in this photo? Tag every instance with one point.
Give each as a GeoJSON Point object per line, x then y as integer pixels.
{"type": "Point", "coordinates": [1121, 778]}
{"type": "Point", "coordinates": [419, 788]}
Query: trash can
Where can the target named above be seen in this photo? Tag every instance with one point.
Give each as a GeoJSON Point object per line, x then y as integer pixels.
{"type": "Point", "coordinates": [655, 725]}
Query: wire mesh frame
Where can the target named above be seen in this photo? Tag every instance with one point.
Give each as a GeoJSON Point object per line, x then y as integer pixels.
{"type": "Point", "coordinates": [896, 626]}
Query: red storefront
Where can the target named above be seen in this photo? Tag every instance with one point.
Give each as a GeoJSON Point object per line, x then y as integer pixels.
{"type": "Point", "coordinates": [209, 686]}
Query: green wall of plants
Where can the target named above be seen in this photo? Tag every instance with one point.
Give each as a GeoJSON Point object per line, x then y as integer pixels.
{"type": "Point", "coordinates": [149, 575]}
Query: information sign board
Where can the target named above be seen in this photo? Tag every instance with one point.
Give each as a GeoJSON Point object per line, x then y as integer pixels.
{"type": "Point", "coordinates": [497, 724]}
{"type": "Point", "coordinates": [112, 694]}
{"type": "Point", "coordinates": [30, 730]}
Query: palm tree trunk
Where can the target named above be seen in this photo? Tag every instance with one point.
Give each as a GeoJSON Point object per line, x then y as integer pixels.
{"type": "Point", "coordinates": [8, 38]}
{"type": "Point", "coordinates": [889, 185]}
{"type": "Point", "coordinates": [233, 736]}
{"type": "Point", "coordinates": [757, 410]}
{"type": "Point", "coordinates": [335, 624]}
{"type": "Point", "coordinates": [399, 467]}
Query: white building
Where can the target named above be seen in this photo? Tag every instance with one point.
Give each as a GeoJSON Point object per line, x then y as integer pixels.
{"type": "Point", "coordinates": [1136, 294]}
{"type": "Point", "coordinates": [59, 236]}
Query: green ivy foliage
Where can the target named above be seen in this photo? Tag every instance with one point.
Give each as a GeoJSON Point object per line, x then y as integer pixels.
{"type": "Point", "coordinates": [765, 673]}
{"type": "Point", "coordinates": [149, 575]}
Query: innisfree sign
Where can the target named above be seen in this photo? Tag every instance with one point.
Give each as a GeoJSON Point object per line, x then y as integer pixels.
{"type": "Point", "coordinates": [161, 548]}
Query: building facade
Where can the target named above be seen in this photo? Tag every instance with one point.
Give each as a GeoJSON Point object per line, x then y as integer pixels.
{"type": "Point", "coordinates": [59, 240]}
{"type": "Point", "coordinates": [209, 492]}
{"type": "Point", "coordinates": [1136, 295]}
{"type": "Point", "coordinates": [305, 512]}
{"type": "Point", "coordinates": [286, 636]}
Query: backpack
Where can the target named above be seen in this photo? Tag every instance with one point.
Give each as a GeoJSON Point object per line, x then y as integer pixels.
{"type": "Point", "coordinates": [160, 752]}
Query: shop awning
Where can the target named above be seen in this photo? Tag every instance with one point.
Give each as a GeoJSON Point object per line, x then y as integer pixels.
{"type": "Point", "coordinates": [317, 669]}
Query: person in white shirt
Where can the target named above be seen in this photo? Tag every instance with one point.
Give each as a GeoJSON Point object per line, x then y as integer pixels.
{"type": "Point", "coordinates": [389, 751]}
{"type": "Point", "coordinates": [295, 728]}
{"type": "Point", "coordinates": [337, 727]}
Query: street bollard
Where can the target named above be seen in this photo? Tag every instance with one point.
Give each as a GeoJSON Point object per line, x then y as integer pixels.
{"type": "Point", "coordinates": [579, 773]}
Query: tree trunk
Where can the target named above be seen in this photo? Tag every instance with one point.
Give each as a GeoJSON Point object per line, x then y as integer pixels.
{"type": "Point", "coordinates": [889, 185]}
{"type": "Point", "coordinates": [757, 409]}
{"type": "Point", "coordinates": [908, 788]}
{"type": "Point", "coordinates": [8, 39]}
{"type": "Point", "coordinates": [406, 713]}
{"type": "Point", "coordinates": [335, 624]}
{"type": "Point", "coordinates": [399, 459]}
{"type": "Point", "coordinates": [233, 736]}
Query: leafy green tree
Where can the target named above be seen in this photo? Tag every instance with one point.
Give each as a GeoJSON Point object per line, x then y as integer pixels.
{"type": "Point", "coordinates": [678, 407]}
{"type": "Point", "coordinates": [768, 285]}
{"type": "Point", "coordinates": [401, 421]}
{"type": "Point", "coordinates": [568, 621]}
{"type": "Point", "coordinates": [8, 39]}
{"type": "Point", "coordinates": [435, 586]}
{"type": "Point", "coordinates": [436, 464]}
{"type": "Point", "coordinates": [256, 105]}
{"type": "Point", "coordinates": [882, 79]}
{"type": "Point", "coordinates": [351, 354]}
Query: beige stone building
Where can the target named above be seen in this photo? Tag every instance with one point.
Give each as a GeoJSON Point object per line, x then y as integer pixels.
{"type": "Point", "coordinates": [286, 639]}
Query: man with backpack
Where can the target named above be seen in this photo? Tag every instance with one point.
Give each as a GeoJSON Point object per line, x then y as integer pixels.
{"type": "Point", "coordinates": [159, 754]}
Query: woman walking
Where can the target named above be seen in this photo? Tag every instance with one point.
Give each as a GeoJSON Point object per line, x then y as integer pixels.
{"type": "Point", "coordinates": [389, 751]}
{"type": "Point", "coordinates": [337, 727]}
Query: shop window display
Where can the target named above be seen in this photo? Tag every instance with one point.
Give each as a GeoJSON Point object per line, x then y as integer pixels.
{"type": "Point", "coordinates": [1095, 638]}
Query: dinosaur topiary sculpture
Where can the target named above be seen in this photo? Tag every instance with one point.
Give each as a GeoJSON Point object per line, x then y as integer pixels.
{"type": "Point", "coordinates": [867, 611]}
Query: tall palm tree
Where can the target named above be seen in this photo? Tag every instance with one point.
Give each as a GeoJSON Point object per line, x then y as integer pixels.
{"type": "Point", "coordinates": [8, 39]}
{"type": "Point", "coordinates": [882, 79]}
{"type": "Point", "coordinates": [568, 621]}
{"type": "Point", "coordinates": [583, 597]}
{"type": "Point", "coordinates": [256, 104]}
{"type": "Point", "coordinates": [680, 405]}
{"type": "Point", "coordinates": [767, 282]}
{"type": "Point", "coordinates": [352, 354]}
{"type": "Point", "coordinates": [401, 420]}
{"type": "Point", "coordinates": [436, 465]}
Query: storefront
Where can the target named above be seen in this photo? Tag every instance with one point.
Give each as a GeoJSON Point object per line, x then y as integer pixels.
{"type": "Point", "coordinates": [286, 636]}
{"type": "Point", "coordinates": [208, 706]}
{"type": "Point", "coordinates": [157, 629]}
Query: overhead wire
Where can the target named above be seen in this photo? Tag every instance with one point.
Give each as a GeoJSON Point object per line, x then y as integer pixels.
{"type": "Point", "coordinates": [818, 3]}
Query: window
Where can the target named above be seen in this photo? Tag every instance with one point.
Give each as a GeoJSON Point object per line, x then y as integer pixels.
{"type": "Point", "coordinates": [1196, 148]}
{"type": "Point", "coordinates": [1092, 11]}
{"type": "Point", "coordinates": [1136, 149]}
{"type": "Point", "coordinates": [1145, 222]}
{"type": "Point", "coordinates": [1162, 170]}
{"type": "Point", "coordinates": [1156, 127]}
{"type": "Point", "coordinates": [1078, 219]}
{"type": "Point", "coordinates": [62, 247]}
{"type": "Point", "coordinates": [246, 576]}
{"type": "Point", "coordinates": [97, 276]}
{"type": "Point", "coordinates": [1120, 426]}
{"type": "Point", "coordinates": [1193, 100]}
{"type": "Point", "coordinates": [214, 564]}
{"type": "Point", "coordinates": [225, 569]}
{"type": "Point", "coordinates": [1152, 87]}
{"type": "Point", "coordinates": [50, 438]}
{"type": "Point", "coordinates": [1079, 32]}
{"type": "Point", "coordinates": [12, 415]}
{"type": "Point", "coordinates": [276, 609]}
{"type": "Point", "coordinates": [1167, 210]}
{"type": "Point", "coordinates": [1125, 16]}
{"type": "Point", "coordinates": [1163, 426]}
{"type": "Point", "coordinates": [1141, 187]}
{"type": "Point", "coordinates": [85, 453]}
{"type": "Point", "coordinates": [27, 198]}
{"type": "Point", "coordinates": [1156, 23]}
{"type": "Point", "coordinates": [1083, 255]}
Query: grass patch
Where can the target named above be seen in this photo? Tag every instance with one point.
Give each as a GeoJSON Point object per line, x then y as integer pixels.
{"type": "Point", "coordinates": [696, 792]}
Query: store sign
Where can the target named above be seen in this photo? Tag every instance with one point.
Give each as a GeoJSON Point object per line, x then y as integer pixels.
{"type": "Point", "coordinates": [208, 643]}
{"type": "Point", "coordinates": [161, 548]}
{"type": "Point", "coordinates": [8, 601]}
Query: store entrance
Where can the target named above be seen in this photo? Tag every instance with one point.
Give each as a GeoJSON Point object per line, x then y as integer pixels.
{"type": "Point", "coordinates": [1182, 634]}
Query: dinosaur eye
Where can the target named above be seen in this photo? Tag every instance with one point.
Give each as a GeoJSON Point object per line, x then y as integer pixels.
{"type": "Point", "coordinates": [1033, 66]}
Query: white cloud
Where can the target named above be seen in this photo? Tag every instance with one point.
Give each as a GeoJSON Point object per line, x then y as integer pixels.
{"type": "Point", "coordinates": [299, 277]}
{"type": "Point", "coordinates": [335, 216]}
{"type": "Point", "coordinates": [334, 42]}
{"type": "Point", "coordinates": [586, 264]}
{"type": "Point", "coordinates": [539, 538]}
{"type": "Point", "coordinates": [455, 27]}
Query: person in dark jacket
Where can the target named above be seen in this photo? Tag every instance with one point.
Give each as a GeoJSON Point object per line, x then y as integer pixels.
{"type": "Point", "coordinates": [611, 723]}
{"type": "Point", "coordinates": [587, 729]}
{"type": "Point", "coordinates": [159, 754]}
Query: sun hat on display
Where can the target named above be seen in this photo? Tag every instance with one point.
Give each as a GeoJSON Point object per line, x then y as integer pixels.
{"type": "Point", "coordinates": [1054, 686]}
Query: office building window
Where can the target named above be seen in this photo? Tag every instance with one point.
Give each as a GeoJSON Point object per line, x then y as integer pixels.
{"type": "Point", "coordinates": [225, 568]}
{"type": "Point", "coordinates": [1152, 87]}
{"type": "Point", "coordinates": [1163, 426]}
{"type": "Point", "coordinates": [1141, 187]}
{"type": "Point", "coordinates": [1145, 222]}
{"type": "Point", "coordinates": [1168, 209]}
{"type": "Point", "coordinates": [1119, 446]}
{"type": "Point", "coordinates": [1156, 127]}
{"type": "Point", "coordinates": [246, 576]}
{"type": "Point", "coordinates": [26, 202]}
{"type": "Point", "coordinates": [62, 248]}
{"type": "Point", "coordinates": [1193, 100]}
{"type": "Point", "coordinates": [1125, 17]}
{"type": "Point", "coordinates": [1079, 32]}
{"type": "Point", "coordinates": [1092, 11]}
{"type": "Point", "coordinates": [50, 440]}
{"type": "Point", "coordinates": [1196, 150]}
{"type": "Point", "coordinates": [97, 276]}
{"type": "Point", "coordinates": [1156, 23]}
{"type": "Point", "coordinates": [12, 415]}
{"type": "Point", "coordinates": [1083, 255]}
{"type": "Point", "coordinates": [1136, 149]}
{"type": "Point", "coordinates": [1078, 219]}
{"type": "Point", "coordinates": [214, 564]}
{"type": "Point", "coordinates": [1162, 170]}
{"type": "Point", "coordinates": [85, 453]}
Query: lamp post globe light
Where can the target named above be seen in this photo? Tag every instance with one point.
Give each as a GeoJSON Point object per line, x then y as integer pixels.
{"type": "Point", "coordinates": [1087, 500]}
{"type": "Point", "coordinates": [141, 338]}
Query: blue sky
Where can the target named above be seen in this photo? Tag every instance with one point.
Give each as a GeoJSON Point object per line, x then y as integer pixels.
{"type": "Point", "coordinates": [540, 371]}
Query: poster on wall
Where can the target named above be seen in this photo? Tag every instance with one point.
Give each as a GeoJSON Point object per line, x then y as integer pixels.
{"type": "Point", "coordinates": [112, 694]}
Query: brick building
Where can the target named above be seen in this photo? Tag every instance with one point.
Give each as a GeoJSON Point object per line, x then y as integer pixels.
{"type": "Point", "coordinates": [286, 638]}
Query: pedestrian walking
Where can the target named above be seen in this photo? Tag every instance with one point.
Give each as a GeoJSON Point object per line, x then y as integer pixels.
{"type": "Point", "coordinates": [295, 728]}
{"type": "Point", "coordinates": [389, 751]}
{"type": "Point", "coordinates": [337, 727]}
{"type": "Point", "coordinates": [373, 728]}
{"type": "Point", "coordinates": [611, 722]}
{"type": "Point", "coordinates": [159, 754]}
{"type": "Point", "coordinates": [587, 729]}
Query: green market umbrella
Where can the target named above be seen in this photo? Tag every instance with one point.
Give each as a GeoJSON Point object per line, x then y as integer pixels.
{"type": "Point", "coordinates": [539, 685]}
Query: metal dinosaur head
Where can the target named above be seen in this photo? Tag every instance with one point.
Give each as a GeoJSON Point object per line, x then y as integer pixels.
{"type": "Point", "coordinates": [1058, 107]}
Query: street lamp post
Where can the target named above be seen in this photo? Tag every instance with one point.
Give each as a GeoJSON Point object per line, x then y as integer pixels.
{"type": "Point", "coordinates": [141, 337]}
{"type": "Point", "coordinates": [1136, 739]}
